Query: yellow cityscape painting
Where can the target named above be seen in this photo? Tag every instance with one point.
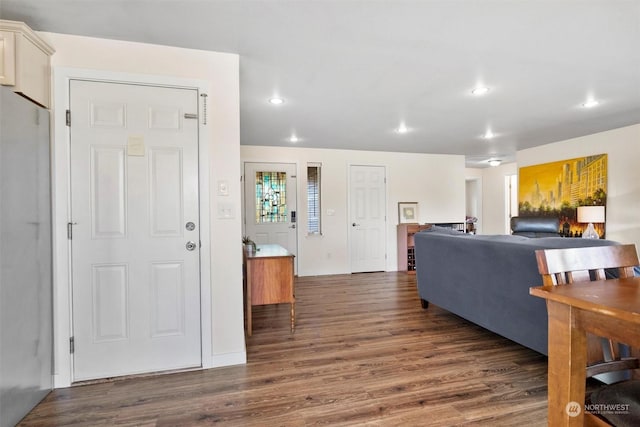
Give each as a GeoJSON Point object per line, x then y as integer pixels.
{"type": "Point", "coordinates": [558, 188]}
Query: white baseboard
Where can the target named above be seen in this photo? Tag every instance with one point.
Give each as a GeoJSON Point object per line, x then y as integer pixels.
{"type": "Point", "coordinates": [61, 381]}
{"type": "Point", "coordinates": [214, 361]}
{"type": "Point", "coordinates": [229, 359]}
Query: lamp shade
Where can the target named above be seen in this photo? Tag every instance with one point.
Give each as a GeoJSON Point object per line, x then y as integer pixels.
{"type": "Point", "coordinates": [591, 214]}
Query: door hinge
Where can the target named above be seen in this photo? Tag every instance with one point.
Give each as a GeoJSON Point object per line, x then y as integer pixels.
{"type": "Point", "coordinates": [72, 346]}
{"type": "Point", "coordinates": [68, 117]}
{"type": "Point", "coordinates": [70, 230]}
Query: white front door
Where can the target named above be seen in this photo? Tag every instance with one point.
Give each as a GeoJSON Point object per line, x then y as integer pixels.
{"type": "Point", "coordinates": [367, 218]}
{"type": "Point", "coordinates": [135, 229]}
{"type": "Point", "coordinates": [270, 204]}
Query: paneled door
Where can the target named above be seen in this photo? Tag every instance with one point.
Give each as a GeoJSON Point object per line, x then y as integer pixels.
{"type": "Point", "coordinates": [134, 229]}
{"type": "Point", "coordinates": [367, 218]}
{"type": "Point", "coordinates": [270, 204]}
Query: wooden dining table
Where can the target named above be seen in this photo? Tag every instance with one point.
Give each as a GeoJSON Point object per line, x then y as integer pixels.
{"type": "Point", "coordinates": [607, 308]}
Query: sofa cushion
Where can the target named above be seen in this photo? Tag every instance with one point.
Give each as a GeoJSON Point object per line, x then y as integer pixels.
{"type": "Point", "coordinates": [535, 226]}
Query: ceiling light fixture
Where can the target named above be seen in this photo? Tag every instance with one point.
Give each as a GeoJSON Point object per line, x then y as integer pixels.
{"type": "Point", "coordinates": [293, 139]}
{"type": "Point", "coordinates": [276, 101]}
{"type": "Point", "coordinates": [402, 128]}
{"type": "Point", "coordinates": [590, 103]}
{"type": "Point", "coordinates": [494, 162]}
{"type": "Point", "coordinates": [480, 90]}
{"type": "Point", "coordinates": [489, 134]}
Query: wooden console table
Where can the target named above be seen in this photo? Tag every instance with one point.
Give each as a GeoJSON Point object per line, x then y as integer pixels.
{"type": "Point", "coordinates": [269, 279]}
{"type": "Point", "coordinates": [608, 308]}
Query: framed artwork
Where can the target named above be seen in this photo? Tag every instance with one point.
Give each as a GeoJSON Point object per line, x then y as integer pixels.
{"type": "Point", "coordinates": [407, 212]}
{"type": "Point", "coordinates": [557, 189]}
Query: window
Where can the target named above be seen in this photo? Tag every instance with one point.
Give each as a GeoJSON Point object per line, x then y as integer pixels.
{"type": "Point", "coordinates": [313, 198]}
{"type": "Point", "coordinates": [271, 197]}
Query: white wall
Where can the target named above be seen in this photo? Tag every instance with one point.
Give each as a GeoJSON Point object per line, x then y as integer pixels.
{"type": "Point", "coordinates": [623, 190]}
{"type": "Point", "coordinates": [623, 193]}
{"type": "Point", "coordinates": [221, 76]}
{"type": "Point", "coordinates": [436, 182]}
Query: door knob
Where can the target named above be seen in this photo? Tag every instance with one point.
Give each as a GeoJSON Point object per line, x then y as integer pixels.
{"type": "Point", "coordinates": [190, 226]}
{"type": "Point", "coordinates": [191, 245]}
{"type": "Point", "coordinates": [354, 224]}
{"type": "Point", "coordinates": [292, 226]}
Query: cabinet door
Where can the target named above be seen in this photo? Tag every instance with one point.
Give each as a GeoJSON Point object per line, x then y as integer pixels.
{"type": "Point", "coordinates": [7, 58]}
{"type": "Point", "coordinates": [32, 65]}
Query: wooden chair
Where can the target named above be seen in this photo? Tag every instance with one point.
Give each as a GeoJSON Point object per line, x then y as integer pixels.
{"type": "Point", "coordinates": [606, 361]}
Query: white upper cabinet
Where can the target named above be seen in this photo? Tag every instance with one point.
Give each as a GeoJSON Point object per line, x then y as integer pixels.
{"type": "Point", "coordinates": [25, 62]}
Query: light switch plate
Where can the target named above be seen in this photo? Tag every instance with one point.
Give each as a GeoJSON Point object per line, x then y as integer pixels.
{"type": "Point", "coordinates": [226, 211]}
{"type": "Point", "coordinates": [223, 188]}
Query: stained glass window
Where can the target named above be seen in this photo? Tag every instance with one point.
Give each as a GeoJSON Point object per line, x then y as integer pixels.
{"type": "Point", "coordinates": [271, 197]}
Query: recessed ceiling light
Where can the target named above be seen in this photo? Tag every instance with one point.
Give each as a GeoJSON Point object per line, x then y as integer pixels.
{"type": "Point", "coordinates": [590, 103]}
{"type": "Point", "coordinates": [494, 162]}
{"type": "Point", "coordinates": [276, 101]}
{"type": "Point", "coordinates": [293, 139]}
{"type": "Point", "coordinates": [402, 128]}
{"type": "Point", "coordinates": [480, 90]}
{"type": "Point", "coordinates": [488, 134]}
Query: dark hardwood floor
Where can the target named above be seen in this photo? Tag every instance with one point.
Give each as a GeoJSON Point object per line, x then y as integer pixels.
{"type": "Point", "coordinates": [364, 353]}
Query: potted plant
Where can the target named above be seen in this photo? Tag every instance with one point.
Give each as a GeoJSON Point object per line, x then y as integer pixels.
{"type": "Point", "coordinates": [249, 245]}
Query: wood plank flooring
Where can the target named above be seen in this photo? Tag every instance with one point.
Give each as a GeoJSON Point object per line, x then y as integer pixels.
{"type": "Point", "coordinates": [364, 352]}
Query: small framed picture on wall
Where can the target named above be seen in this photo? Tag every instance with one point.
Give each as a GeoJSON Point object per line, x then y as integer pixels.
{"type": "Point", "coordinates": [407, 212]}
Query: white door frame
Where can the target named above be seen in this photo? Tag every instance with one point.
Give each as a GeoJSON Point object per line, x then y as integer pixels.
{"type": "Point", "coordinates": [386, 211]}
{"type": "Point", "coordinates": [62, 308]}
{"type": "Point", "coordinates": [477, 180]}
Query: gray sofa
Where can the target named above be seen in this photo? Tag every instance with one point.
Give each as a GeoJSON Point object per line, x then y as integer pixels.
{"type": "Point", "coordinates": [485, 279]}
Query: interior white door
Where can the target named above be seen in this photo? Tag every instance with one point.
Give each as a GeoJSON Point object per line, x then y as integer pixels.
{"type": "Point", "coordinates": [367, 218]}
{"type": "Point", "coordinates": [270, 204]}
{"type": "Point", "coordinates": [135, 229]}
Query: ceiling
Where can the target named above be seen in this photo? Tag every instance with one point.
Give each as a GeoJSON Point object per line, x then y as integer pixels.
{"type": "Point", "coordinates": [351, 72]}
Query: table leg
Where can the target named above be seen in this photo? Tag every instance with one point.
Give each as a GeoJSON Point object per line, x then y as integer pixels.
{"type": "Point", "coordinates": [567, 367]}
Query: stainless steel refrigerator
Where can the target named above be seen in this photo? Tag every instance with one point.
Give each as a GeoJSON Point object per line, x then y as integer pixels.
{"type": "Point", "coordinates": [26, 320]}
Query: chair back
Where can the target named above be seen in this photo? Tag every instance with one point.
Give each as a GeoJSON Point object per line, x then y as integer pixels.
{"type": "Point", "coordinates": [570, 265]}
{"type": "Point", "coordinates": [607, 361]}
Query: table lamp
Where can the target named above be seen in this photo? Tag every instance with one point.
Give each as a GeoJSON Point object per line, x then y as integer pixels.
{"type": "Point", "coordinates": [590, 214]}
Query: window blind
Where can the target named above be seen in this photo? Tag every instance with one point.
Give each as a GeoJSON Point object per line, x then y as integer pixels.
{"type": "Point", "coordinates": [313, 198]}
